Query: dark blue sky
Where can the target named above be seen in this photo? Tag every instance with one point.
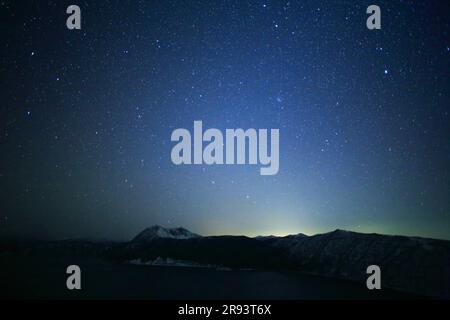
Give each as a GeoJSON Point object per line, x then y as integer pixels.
{"type": "Point", "coordinates": [86, 117]}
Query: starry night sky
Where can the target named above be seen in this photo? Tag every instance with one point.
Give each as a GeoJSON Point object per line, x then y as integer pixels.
{"type": "Point", "coordinates": [86, 117]}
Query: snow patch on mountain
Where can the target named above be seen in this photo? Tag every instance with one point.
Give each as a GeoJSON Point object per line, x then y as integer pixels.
{"type": "Point", "coordinates": [169, 262]}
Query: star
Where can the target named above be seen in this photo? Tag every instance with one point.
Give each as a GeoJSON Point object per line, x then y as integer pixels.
{"type": "Point", "coordinates": [124, 86]}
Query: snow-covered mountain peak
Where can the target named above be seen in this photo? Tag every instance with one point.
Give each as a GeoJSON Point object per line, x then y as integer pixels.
{"type": "Point", "coordinates": [155, 232]}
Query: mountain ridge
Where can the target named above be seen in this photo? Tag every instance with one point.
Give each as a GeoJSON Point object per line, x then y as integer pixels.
{"type": "Point", "coordinates": [157, 231]}
{"type": "Point", "coordinates": [410, 264]}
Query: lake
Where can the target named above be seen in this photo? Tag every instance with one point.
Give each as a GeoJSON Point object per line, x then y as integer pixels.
{"type": "Point", "coordinates": [40, 277]}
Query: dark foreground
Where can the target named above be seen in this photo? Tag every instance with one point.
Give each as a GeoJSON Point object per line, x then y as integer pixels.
{"type": "Point", "coordinates": [40, 277]}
